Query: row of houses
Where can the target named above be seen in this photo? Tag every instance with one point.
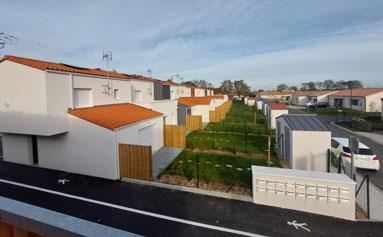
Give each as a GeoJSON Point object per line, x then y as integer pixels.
{"type": "Point", "coordinates": [70, 118]}
{"type": "Point", "coordinates": [363, 99]}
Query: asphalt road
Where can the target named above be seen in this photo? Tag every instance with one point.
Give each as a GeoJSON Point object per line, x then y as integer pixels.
{"type": "Point", "coordinates": [376, 177]}
{"type": "Point", "coordinates": [206, 210]}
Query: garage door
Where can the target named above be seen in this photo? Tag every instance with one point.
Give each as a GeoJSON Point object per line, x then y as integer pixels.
{"type": "Point", "coordinates": [146, 136]}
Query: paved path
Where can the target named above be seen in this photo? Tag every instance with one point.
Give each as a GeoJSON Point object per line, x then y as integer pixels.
{"type": "Point", "coordinates": [162, 158]}
{"type": "Point", "coordinates": [154, 211]}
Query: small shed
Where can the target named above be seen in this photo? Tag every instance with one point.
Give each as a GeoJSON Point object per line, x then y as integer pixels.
{"type": "Point", "coordinates": [303, 140]}
{"type": "Point", "coordinates": [259, 104]}
{"type": "Point", "coordinates": [275, 110]}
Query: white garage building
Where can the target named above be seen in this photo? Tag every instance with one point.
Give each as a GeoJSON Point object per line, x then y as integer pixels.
{"type": "Point", "coordinates": [275, 110]}
{"type": "Point", "coordinates": [303, 140]}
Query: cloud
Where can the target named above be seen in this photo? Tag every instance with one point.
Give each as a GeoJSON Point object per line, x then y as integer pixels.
{"type": "Point", "coordinates": [259, 41]}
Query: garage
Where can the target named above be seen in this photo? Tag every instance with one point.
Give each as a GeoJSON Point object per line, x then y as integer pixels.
{"type": "Point", "coordinates": [303, 141]}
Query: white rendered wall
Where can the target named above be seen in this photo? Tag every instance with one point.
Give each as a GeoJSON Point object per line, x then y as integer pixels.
{"type": "Point", "coordinates": [202, 110]}
{"type": "Point", "coordinates": [147, 92]}
{"type": "Point", "coordinates": [130, 134]}
{"type": "Point", "coordinates": [309, 150]}
{"type": "Point", "coordinates": [185, 91]}
{"type": "Point", "coordinates": [259, 104]}
{"type": "Point", "coordinates": [17, 148]}
{"type": "Point", "coordinates": [87, 149]}
{"type": "Point", "coordinates": [168, 108]}
{"type": "Point", "coordinates": [374, 102]}
{"type": "Point", "coordinates": [100, 94]}
{"type": "Point", "coordinates": [250, 102]}
{"type": "Point", "coordinates": [274, 115]}
{"type": "Point", "coordinates": [175, 92]}
{"type": "Point", "coordinates": [24, 95]}
{"type": "Point", "coordinates": [198, 92]}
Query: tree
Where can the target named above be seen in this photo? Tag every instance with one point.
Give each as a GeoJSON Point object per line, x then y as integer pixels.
{"type": "Point", "coordinates": [227, 87]}
{"type": "Point", "coordinates": [328, 84]}
{"type": "Point", "coordinates": [282, 87]}
{"type": "Point", "coordinates": [309, 86]}
{"type": "Point", "coordinates": [354, 84]}
{"type": "Point", "coordinates": [294, 88]}
{"type": "Point", "coordinates": [241, 88]}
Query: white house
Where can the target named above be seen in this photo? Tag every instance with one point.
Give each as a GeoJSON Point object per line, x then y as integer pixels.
{"type": "Point", "coordinates": [302, 97]}
{"type": "Point", "coordinates": [275, 95]}
{"type": "Point", "coordinates": [259, 104]}
{"type": "Point", "coordinates": [363, 99]}
{"type": "Point", "coordinates": [303, 141]}
{"type": "Point", "coordinates": [37, 127]}
{"type": "Point", "coordinates": [275, 110]}
{"type": "Point", "coordinates": [199, 92]}
{"type": "Point", "coordinates": [197, 106]}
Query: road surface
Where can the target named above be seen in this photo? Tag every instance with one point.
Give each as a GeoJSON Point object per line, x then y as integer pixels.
{"type": "Point", "coordinates": [154, 211]}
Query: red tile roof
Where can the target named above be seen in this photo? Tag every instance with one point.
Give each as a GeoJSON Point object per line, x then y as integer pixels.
{"type": "Point", "coordinates": [312, 93]}
{"type": "Point", "coordinates": [361, 92]}
{"type": "Point", "coordinates": [44, 65]}
{"type": "Point", "coordinates": [115, 115]}
{"type": "Point", "coordinates": [277, 106]}
{"type": "Point", "coordinates": [192, 101]}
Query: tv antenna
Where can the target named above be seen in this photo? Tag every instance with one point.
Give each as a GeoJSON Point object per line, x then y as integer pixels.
{"type": "Point", "coordinates": [6, 39]}
{"type": "Point", "coordinates": [149, 71]}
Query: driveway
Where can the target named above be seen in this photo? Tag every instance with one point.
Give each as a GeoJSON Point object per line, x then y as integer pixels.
{"type": "Point", "coordinates": [376, 177]}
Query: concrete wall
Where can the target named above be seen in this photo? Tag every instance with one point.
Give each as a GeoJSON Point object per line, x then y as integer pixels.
{"type": "Point", "coordinates": [168, 108]}
{"type": "Point", "coordinates": [17, 148]}
{"type": "Point", "coordinates": [309, 150]}
{"type": "Point", "coordinates": [87, 149]}
{"type": "Point", "coordinates": [131, 134]}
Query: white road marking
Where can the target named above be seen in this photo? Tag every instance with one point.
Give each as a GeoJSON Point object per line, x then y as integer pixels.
{"type": "Point", "coordinates": [298, 225]}
{"type": "Point", "coordinates": [151, 214]}
{"type": "Point", "coordinates": [62, 181]}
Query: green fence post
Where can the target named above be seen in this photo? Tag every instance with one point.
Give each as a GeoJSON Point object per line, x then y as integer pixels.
{"type": "Point", "coordinates": [197, 171]}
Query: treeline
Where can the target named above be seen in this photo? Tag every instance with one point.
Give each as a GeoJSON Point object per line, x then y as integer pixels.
{"type": "Point", "coordinates": [323, 85]}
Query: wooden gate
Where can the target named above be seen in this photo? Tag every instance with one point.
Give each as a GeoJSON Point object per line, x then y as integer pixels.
{"type": "Point", "coordinates": [193, 122]}
{"type": "Point", "coordinates": [213, 116]}
{"type": "Point", "coordinates": [174, 136]}
{"type": "Point", "coordinates": [135, 161]}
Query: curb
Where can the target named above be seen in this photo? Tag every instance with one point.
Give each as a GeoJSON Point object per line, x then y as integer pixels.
{"type": "Point", "coordinates": [348, 130]}
{"type": "Point", "coordinates": [191, 190]}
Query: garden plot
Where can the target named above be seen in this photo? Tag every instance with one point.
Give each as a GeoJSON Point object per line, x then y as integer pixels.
{"type": "Point", "coordinates": [213, 169]}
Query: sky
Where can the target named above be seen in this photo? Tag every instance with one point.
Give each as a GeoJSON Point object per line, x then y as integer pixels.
{"type": "Point", "coordinates": [265, 43]}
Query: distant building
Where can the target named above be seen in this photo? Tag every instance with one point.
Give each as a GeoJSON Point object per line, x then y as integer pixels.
{"type": "Point", "coordinates": [275, 95]}
{"type": "Point", "coordinates": [363, 99]}
{"type": "Point", "coordinates": [302, 97]}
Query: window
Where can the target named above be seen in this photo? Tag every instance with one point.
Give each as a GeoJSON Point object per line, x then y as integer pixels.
{"type": "Point", "coordinates": [82, 97]}
{"type": "Point", "coordinates": [116, 94]}
{"type": "Point", "coordinates": [355, 102]}
{"type": "Point", "coordinates": [137, 96]}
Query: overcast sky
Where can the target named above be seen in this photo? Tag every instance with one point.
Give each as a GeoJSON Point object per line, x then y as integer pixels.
{"type": "Point", "coordinates": [262, 42]}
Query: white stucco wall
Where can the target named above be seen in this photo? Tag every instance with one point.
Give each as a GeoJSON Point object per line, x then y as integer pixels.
{"type": "Point", "coordinates": [309, 150]}
{"type": "Point", "coordinates": [24, 96]}
{"type": "Point", "coordinates": [100, 94]}
{"type": "Point", "coordinates": [202, 110]}
{"type": "Point", "coordinates": [175, 92]}
{"type": "Point", "coordinates": [273, 115]}
{"type": "Point", "coordinates": [185, 91]}
{"type": "Point", "coordinates": [131, 135]}
{"type": "Point", "coordinates": [147, 92]}
{"type": "Point", "coordinates": [87, 149]}
{"type": "Point", "coordinates": [17, 148]}
{"type": "Point", "coordinates": [199, 92]}
{"type": "Point", "coordinates": [259, 104]}
{"type": "Point", "coordinates": [299, 100]}
{"type": "Point", "coordinates": [346, 102]}
{"type": "Point", "coordinates": [168, 108]}
{"type": "Point", "coordinates": [374, 102]}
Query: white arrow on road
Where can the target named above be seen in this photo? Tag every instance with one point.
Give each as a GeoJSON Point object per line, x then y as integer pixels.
{"type": "Point", "coordinates": [298, 225]}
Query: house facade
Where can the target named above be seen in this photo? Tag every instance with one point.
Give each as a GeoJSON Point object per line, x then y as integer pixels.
{"type": "Point", "coordinates": [302, 97]}
{"type": "Point", "coordinates": [38, 129]}
{"type": "Point", "coordinates": [275, 95]}
{"type": "Point", "coordinates": [363, 99]}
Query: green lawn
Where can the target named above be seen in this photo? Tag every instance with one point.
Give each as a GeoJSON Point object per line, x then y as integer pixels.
{"type": "Point", "coordinates": [240, 119]}
{"type": "Point", "coordinates": [216, 168]}
{"type": "Point", "coordinates": [256, 144]}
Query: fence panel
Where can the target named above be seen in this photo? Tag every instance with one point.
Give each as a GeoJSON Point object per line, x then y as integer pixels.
{"type": "Point", "coordinates": [193, 122]}
{"type": "Point", "coordinates": [135, 161]}
{"type": "Point", "coordinates": [174, 135]}
{"type": "Point", "coordinates": [213, 116]}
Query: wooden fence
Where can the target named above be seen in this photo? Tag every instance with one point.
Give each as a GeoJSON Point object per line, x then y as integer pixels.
{"type": "Point", "coordinates": [219, 113]}
{"type": "Point", "coordinates": [193, 122]}
{"type": "Point", "coordinates": [135, 161]}
{"type": "Point", "coordinates": [174, 136]}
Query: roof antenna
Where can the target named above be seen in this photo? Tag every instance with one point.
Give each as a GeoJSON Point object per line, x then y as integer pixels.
{"type": "Point", "coordinates": [107, 57]}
